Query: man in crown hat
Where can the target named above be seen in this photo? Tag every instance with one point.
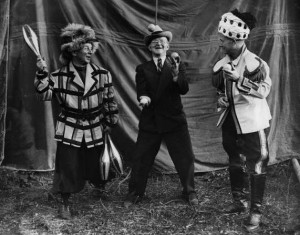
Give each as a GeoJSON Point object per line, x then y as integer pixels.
{"type": "Point", "coordinates": [88, 108]}
{"type": "Point", "coordinates": [159, 84]}
{"type": "Point", "coordinates": [243, 83]}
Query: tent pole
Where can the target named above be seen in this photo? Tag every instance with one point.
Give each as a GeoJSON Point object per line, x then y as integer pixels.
{"type": "Point", "coordinates": [6, 82]}
{"type": "Point", "coordinates": [156, 7]}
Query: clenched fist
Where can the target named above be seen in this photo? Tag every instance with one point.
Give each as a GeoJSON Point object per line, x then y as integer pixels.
{"type": "Point", "coordinates": [41, 64]}
{"type": "Point", "coordinates": [175, 61]}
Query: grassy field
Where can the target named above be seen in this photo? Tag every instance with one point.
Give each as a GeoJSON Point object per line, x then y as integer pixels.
{"type": "Point", "coordinates": [25, 208]}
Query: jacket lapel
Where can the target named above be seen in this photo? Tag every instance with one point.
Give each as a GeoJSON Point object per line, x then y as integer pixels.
{"type": "Point", "coordinates": [76, 78]}
{"type": "Point", "coordinates": [90, 80]}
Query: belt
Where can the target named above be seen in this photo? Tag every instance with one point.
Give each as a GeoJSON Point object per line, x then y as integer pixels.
{"type": "Point", "coordinates": [84, 114]}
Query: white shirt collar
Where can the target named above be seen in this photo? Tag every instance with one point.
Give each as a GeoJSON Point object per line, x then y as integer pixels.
{"type": "Point", "coordinates": [163, 58]}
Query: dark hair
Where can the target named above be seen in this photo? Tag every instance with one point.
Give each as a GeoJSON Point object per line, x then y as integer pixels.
{"type": "Point", "coordinates": [247, 17]}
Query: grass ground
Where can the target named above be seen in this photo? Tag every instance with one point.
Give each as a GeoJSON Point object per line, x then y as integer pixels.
{"type": "Point", "coordinates": [25, 208]}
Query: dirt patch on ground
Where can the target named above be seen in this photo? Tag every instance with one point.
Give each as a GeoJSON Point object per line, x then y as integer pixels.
{"type": "Point", "coordinates": [25, 207]}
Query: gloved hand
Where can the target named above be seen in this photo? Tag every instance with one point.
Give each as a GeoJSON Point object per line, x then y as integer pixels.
{"type": "Point", "coordinates": [231, 73]}
{"type": "Point", "coordinates": [41, 65]}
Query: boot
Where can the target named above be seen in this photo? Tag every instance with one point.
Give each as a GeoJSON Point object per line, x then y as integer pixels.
{"type": "Point", "coordinates": [239, 188]}
{"type": "Point", "coordinates": [258, 182]}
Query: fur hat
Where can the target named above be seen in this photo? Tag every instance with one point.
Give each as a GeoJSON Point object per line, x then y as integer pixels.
{"type": "Point", "coordinates": [73, 36]}
{"type": "Point", "coordinates": [156, 32]}
{"type": "Point", "coordinates": [236, 25]}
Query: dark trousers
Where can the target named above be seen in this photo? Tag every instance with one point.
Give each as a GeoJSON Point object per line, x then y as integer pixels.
{"type": "Point", "coordinates": [73, 166]}
{"type": "Point", "coordinates": [245, 150]}
{"type": "Point", "coordinates": [248, 155]}
{"type": "Point", "coordinates": [179, 146]}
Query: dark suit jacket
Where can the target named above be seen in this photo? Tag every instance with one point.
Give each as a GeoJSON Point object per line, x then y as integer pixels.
{"type": "Point", "coordinates": [165, 112]}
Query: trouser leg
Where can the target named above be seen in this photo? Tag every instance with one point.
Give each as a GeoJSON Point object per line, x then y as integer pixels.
{"type": "Point", "coordinates": [257, 152]}
{"type": "Point", "coordinates": [180, 149]}
{"type": "Point", "coordinates": [146, 149]}
{"type": "Point", "coordinates": [238, 174]}
{"type": "Point", "coordinates": [91, 168]}
{"type": "Point", "coordinates": [68, 174]}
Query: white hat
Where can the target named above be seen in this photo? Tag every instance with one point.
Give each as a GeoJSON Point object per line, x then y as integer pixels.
{"type": "Point", "coordinates": [236, 25]}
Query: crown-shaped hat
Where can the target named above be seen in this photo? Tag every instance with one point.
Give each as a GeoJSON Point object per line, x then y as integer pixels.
{"type": "Point", "coordinates": [236, 25]}
{"type": "Point", "coordinates": [156, 32]}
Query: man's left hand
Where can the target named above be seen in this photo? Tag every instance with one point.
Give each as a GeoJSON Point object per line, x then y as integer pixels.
{"type": "Point", "coordinates": [174, 61]}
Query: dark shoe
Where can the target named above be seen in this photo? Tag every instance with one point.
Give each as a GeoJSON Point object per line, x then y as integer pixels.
{"type": "Point", "coordinates": [236, 207]}
{"type": "Point", "coordinates": [253, 222]}
{"type": "Point", "coordinates": [191, 199]}
{"type": "Point", "coordinates": [64, 212]}
{"type": "Point", "coordinates": [131, 198]}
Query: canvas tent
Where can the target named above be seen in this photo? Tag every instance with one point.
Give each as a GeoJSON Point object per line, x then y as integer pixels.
{"type": "Point", "coordinates": [27, 125]}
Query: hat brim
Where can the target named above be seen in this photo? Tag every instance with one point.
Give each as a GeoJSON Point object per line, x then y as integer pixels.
{"type": "Point", "coordinates": [148, 39]}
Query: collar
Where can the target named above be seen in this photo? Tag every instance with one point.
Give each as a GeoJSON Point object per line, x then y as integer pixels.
{"type": "Point", "coordinates": [237, 60]}
{"type": "Point", "coordinates": [163, 58]}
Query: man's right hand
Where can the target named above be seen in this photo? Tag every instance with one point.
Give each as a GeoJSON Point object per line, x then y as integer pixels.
{"type": "Point", "coordinates": [223, 102]}
{"type": "Point", "coordinates": [41, 64]}
{"type": "Point", "coordinates": [144, 101]}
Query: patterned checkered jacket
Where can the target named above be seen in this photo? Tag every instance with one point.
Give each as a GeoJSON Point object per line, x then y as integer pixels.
{"type": "Point", "coordinates": [247, 97]}
{"type": "Point", "coordinates": [85, 107]}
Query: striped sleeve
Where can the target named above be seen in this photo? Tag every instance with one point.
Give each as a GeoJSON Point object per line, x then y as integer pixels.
{"type": "Point", "coordinates": [109, 102]}
{"type": "Point", "coordinates": [256, 83]}
{"type": "Point", "coordinates": [44, 84]}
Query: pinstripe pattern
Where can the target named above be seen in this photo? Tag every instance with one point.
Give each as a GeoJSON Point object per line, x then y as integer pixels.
{"type": "Point", "coordinates": [95, 95]}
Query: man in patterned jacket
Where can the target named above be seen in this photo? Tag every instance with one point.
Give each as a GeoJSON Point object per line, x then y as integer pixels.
{"type": "Point", "coordinates": [88, 109]}
{"type": "Point", "coordinates": [243, 82]}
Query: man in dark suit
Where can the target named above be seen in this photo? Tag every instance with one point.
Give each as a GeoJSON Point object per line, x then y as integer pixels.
{"type": "Point", "coordinates": [159, 84]}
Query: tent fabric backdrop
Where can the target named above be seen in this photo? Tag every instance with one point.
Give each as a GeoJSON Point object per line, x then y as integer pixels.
{"type": "Point", "coordinates": [121, 26]}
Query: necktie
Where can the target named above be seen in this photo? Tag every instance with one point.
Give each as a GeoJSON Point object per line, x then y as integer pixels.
{"type": "Point", "coordinates": [159, 65]}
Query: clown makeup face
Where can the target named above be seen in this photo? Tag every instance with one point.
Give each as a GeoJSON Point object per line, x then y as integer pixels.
{"type": "Point", "coordinates": [83, 56]}
{"type": "Point", "coordinates": [159, 46]}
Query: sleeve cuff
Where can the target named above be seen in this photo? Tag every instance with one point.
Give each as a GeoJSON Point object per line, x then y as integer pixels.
{"type": "Point", "coordinates": [145, 97]}
{"type": "Point", "coordinates": [41, 74]}
{"type": "Point", "coordinates": [246, 85]}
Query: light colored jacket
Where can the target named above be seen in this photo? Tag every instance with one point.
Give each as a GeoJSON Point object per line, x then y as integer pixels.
{"type": "Point", "coordinates": [85, 107]}
{"type": "Point", "coordinates": [247, 97]}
